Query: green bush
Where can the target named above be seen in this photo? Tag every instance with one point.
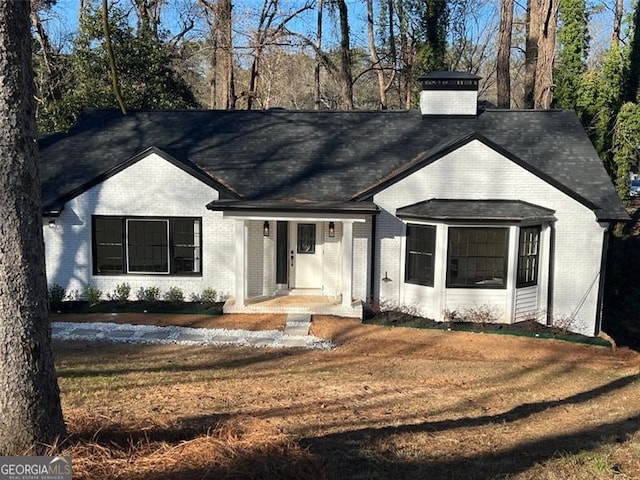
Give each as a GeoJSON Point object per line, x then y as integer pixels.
{"type": "Point", "coordinates": [149, 294]}
{"type": "Point", "coordinates": [92, 294]}
{"type": "Point", "coordinates": [174, 294]}
{"type": "Point", "coordinates": [121, 293]}
{"type": "Point", "coordinates": [56, 294]}
{"type": "Point", "coordinates": [209, 296]}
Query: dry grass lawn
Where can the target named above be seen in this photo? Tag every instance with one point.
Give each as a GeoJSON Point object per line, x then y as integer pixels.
{"type": "Point", "coordinates": [385, 404]}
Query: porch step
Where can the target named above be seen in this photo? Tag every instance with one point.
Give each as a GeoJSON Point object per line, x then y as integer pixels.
{"type": "Point", "coordinates": [297, 324]}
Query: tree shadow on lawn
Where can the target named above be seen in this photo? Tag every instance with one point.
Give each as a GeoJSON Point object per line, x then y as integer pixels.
{"type": "Point", "coordinates": [355, 454]}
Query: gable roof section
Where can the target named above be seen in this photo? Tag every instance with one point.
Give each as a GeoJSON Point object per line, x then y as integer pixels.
{"type": "Point", "coordinates": [442, 150]}
{"type": "Point", "coordinates": [54, 207]}
{"type": "Point", "coordinates": [321, 156]}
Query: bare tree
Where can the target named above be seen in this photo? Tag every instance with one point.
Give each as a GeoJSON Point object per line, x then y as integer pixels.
{"type": "Point", "coordinates": [531, 51]}
{"type": "Point", "coordinates": [383, 83]}
{"type": "Point", "coordinates": [31, 415]}
{"type": "Point", "coordinates": [271, 26]}
{"type": "Point", "coordinates": [221, 84]}
{"type": "Point", "coordinates": [149, 13]}
{"type": "Point", "coordinates": [318, 66]}
{"type": "Point", "coordinates": [543, 91]}
{"type": "Point", "coordinates": [617, 22]}
{"type": "Point", "coordinates": [115, 84]}
{"type": "Point", "coordinates": [346, 65]}
{"type": "Point", "coordinates": [503, 63]}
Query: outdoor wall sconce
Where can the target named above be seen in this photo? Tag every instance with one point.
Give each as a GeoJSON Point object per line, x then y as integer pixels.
{"type": "Point", "coordinates": [265, 229]}
{"type": "Point", "coordinates": [332, 229]}
{"type": "Point", "coordinates": [52, 224]}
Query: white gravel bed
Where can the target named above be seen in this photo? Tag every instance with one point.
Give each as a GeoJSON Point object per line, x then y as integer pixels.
{"type": "Point", "coordinates": [147, 334]}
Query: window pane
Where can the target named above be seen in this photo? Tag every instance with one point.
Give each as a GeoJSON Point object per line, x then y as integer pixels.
{"type": "Point", "coordinates": [477, 257]}
{"type": "Point", "coordinates": [108, 247]}
{"type": "Point", "coordinates": [307, 238]}
{"type": "Point", "coordinates": [528, 256]}
{"type": "Point", "coordinates": [148, 246]}
{"type": "Point", "coordinates": [421, 240]}
{"type": "Point", "coordinates": [186, 245]}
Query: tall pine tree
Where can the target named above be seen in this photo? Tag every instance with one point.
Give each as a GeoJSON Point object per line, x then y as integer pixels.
{"type": "Point", "coordinates": [573, 39]}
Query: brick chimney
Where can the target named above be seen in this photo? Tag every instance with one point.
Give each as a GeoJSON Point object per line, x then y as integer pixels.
{"type": "Point", "coordinates": [449, 93]}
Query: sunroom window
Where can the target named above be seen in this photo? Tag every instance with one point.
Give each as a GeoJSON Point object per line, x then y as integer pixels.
{"type": "Point", "coordinates": [477, 257]}
{"type": "Point", "coordinates": [162, 246]}
{"type": "Point", "coordinates": [421, 243]}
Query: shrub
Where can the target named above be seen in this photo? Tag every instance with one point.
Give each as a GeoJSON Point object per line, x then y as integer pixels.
{"type": "Point", "coordinates": [56, 294]}
{"type": "Point", "coordinates": [149, 294]}
{"type": "Point", "coordinates": [174, 294]}
{"type": "Point", "coordinates": [209, 296]}
{"type": "Point", "coordinates": [121, 292]}
{"type": "Point", "coordinates": [92, 294]}
{"type": "Point", "coordinates": [483, 314]}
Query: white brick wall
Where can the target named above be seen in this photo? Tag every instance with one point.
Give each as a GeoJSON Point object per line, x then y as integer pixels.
{"type": "Point", "coordinates": [477, 172]}
{"type": "Point", "coordinates": [361, 259]}
{"type": "Point", "coordinates": [150, 187]}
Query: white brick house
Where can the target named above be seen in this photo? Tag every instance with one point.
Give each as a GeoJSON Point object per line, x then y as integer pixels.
{"type": "Point", "coordinates": [436, 211]}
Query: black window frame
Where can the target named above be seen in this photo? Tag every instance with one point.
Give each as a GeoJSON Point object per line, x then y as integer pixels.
{"type": "Point", "coordinates": [482, 284]}
{"type": "Point", "coordinates": [174, 267]}
{"type": "Point", "coordinates": [415, 253]}
{"type": "Point", "coordinates": [527, 274]}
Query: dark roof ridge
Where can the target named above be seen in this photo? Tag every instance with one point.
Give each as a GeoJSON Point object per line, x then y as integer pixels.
{"type": "Point", "coordinates": [269, 110]}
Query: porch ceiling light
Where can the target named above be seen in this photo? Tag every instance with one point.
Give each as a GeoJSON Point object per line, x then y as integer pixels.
{"type": "Point", "coordinates": [265, 229]}
{"type": "Point", "coordinates": [332, 229]}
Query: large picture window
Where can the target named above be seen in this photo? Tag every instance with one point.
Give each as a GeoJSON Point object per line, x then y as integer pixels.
{"type": "Point", "coordinates": [528, 251]}
{"type": "Point", "coordinates": [421, 244]}
{"type": "Point", "coordinates": [163, 246]}
{"type": "Point", "coordinates": [477, 257]}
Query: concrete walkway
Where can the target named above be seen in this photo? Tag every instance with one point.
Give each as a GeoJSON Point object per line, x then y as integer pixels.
{"type": "Point", "coordinates": [296, 334]}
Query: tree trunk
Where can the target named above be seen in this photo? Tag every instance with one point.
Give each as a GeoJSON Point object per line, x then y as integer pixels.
{"type": "Point", "coordinates": [531, 52]}
{"type": "Point", "coordinates": [221, 84]}
{"type": "Point", "coordinates": [115, 84]}
{"type": "Point", "coordinates": [543, 90]}
{"type": "Point", "coordinates": [617, 22]}
{"type": "Point", "coordinates": [31, 415]}
{"type": "Point", "coordinates": [316, 73]}
{"type": "Point", "coordinates": [346, 78]}
{"type": "Point", "coordinates": [503, 64]}
{"type": "Point", "coordinates": [406, 58]}
{"type": "Point", "coordinates": [383, 86]}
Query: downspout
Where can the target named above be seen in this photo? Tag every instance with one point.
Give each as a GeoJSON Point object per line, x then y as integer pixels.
{"type": "Point", "coordinates": [552, 254]}
{"type": "Point", "coordinates": [372, 274]}
{"type": "Point", "coordinates": [603, 271]}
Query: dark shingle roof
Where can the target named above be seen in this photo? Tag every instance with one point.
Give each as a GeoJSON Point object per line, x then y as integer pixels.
{"type": "Point", "coordinates": [471, 210]}
{"type": "Point", "coordinates": [318, 156]}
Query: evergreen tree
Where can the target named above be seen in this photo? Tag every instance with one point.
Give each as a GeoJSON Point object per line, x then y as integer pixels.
{"type": "Point", "coordinates": [600, 100]}
{"type": "Point", "coordinates": [146, 68]}
{"type": "Point", "coordinates": [625, 146]}
{"type": "Point", "coordinates": [573, 37]}
{"type": "Point", "coordinates": [432, 18]}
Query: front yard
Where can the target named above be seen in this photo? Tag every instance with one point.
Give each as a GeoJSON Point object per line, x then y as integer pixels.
{"type": "Point", "coordinates": [387, 403]}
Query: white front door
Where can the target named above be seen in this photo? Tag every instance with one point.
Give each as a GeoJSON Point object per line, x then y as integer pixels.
{"type": "Point", "coordinates": [306, 255]}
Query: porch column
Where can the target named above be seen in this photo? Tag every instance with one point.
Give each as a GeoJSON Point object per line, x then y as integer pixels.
{"type": "Point", "coordinates": [242, 237]}
{"type": "Point", "coordinates": [347, 262]}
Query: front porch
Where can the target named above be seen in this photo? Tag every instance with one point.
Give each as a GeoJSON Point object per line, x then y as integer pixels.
{"type": "Point", "coordinates": [308, 304]}
{"type": "Point", "coordinates": [299, 257]}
